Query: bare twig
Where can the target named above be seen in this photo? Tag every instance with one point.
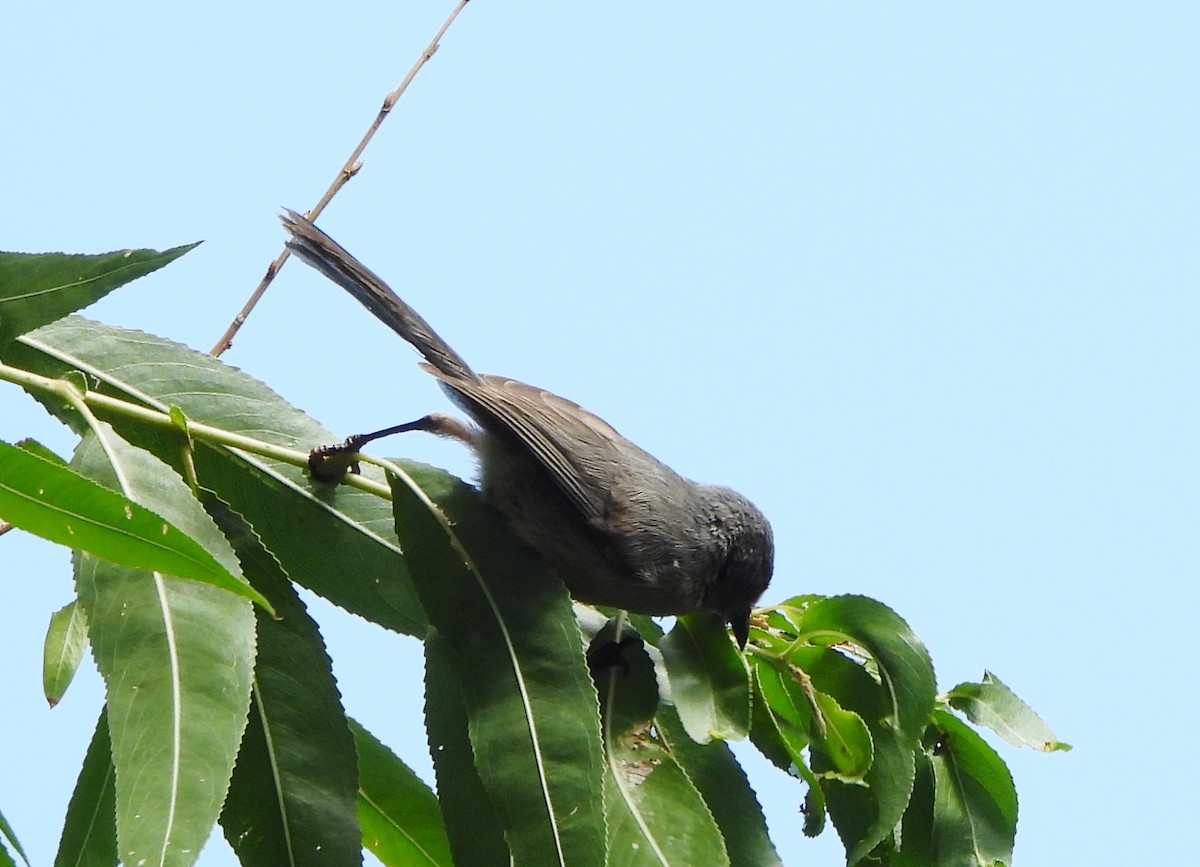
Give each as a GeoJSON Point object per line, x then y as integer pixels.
{"type": "Point", "coordinates": [349, 170]}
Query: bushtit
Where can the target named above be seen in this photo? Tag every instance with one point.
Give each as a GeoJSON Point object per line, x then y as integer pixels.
{"type": "Point", "coordinates": [619, 527]}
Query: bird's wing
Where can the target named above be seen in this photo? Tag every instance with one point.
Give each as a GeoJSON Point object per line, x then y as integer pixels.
{"type": "Point", "coordinates": [580, 451]}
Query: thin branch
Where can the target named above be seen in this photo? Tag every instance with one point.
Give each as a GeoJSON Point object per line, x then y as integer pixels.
{"type": "Point", "coordinates": [348, 171]}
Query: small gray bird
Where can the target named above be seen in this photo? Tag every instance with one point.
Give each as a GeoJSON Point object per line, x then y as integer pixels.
{"type": "Point", "coordinates": [618, 526]}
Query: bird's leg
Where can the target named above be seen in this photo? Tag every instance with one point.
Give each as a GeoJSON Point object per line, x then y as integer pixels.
{"type": "Point", "coordinates": [329, 463]}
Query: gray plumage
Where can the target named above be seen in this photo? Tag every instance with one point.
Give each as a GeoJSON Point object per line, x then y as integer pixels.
{"type": "Point", "coordinates": [620, 527]}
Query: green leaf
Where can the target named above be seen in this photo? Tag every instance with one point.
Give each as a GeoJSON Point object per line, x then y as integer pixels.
{"type": "Point", "coordinates": [400, 818]}
{"type": "Point", "coordinates": [531, 706]}
{"type": "Point", "coordinates": [36, 289]}
{"type": "Point", "coordinates": [6, 833]}
{"type": "Point", "coordinates": [89, 837]}
{"type": "Point", "coordinates": [994, 705]}
{"type": "Point", "coordinates": [66, 639]}
{"type": "Point", "coordinates": [975, 804]}
{"type": "Point", "coordinates": [176, 657]}
{"type": "Point", "coordinates": [915, 845]}
{"type": "Point", "coordinates": [36, 448]}
{"type": "Point", "coordinates": [858, 657]}
{"type": "Point", "coordinates": [852, 673]}
{"type": "Point", "coordinates": [292, 799]}
{"type": "Point", "coordinates": [833, 672]}
{"type": "Point", "coordinates": [325, 528]}
{"type": "Point", "coordinates": [815, 807]}
{"type": "Point", "coordinates": [765, 731]}
{"type": "Point", "coordinates": [58, 504]}
{"type": "Point", "coordinates": [839, 737]}
{"type": "Point", "coordinates": [655, 813]}
{"type": "Point", "coordinates": [866, 815]}
{"type": "Point", "coordinates": [905, 669]}
{"type": "Point", "coordinates": [472, 823]}
{"type": "Point", "coordinates": [842, 739]}
{"type": "Point", "coordinates": [710, 683]}
{"type": "Point", "coordinates": [780, 733]}
{"type": "Point", "coordinates": [722, 784]}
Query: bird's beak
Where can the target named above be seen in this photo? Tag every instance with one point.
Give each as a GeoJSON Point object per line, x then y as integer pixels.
{"type": "Point", "coordinates": [740, 623]}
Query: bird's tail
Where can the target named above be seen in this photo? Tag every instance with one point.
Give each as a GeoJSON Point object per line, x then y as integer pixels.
{"type": "Point", "coordinates": [331, 259]}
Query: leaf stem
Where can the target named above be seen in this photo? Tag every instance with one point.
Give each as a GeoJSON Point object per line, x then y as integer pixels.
{"type": "Point", "coordinates": [85, 400]}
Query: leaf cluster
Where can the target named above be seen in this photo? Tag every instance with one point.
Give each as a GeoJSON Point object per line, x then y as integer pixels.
{"type": "Point", "coordinates": [559, 734]}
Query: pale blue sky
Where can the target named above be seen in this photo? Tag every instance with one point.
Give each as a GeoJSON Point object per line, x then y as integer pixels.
{"type": "Point", "coordinates": [920, 279]}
